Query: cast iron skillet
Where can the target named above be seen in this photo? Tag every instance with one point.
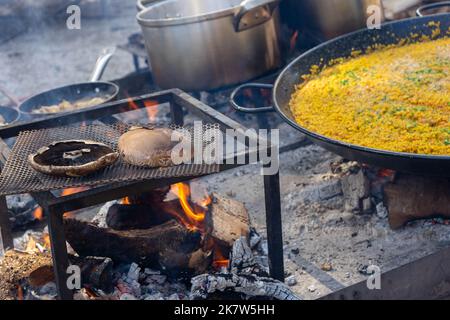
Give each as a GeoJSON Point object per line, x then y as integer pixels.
{"type": "Point", "coordinates": [290, 77]}
{"type": "Point", "coordinates": [73, 92]}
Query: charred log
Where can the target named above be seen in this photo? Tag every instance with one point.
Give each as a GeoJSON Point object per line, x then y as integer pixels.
{"type": "Point", "coordinates": [414, 197]}
{"type": "Point", "coordinates": [134, 216]}
{"type": "Point", "coordinates": [95, 271]}
{"type": "Point", "coordinates": [169, 245]}
{"type": "Point", "coordinates": [140, 212]}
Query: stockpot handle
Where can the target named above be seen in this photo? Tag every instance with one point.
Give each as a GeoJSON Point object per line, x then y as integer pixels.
{"type": "Point", "coordinates": [236, 106]}
{"type": "Point", "coordinates": [251, 13]}
{"type": "Point", "coordinates": [420, 11]}
{"type": "Point", "coordinates": [142, 4]}
{"type": "Point", "coordinates": [101, 63]}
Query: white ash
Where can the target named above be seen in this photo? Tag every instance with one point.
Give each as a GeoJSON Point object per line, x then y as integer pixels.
{"type": "Point", "coordinates": [136, 283]}
{"type": "Point", "coordinates": [355, 187]}
{"type": "Point", "coordinates": [100, 218]}
{"type": "Point", "coordinates": [255, 239]}
{"type": "Point", "coordinates": [382, 211]}
{"type": "Point", "coordinates": [127, 296]}
{"type": "Point", "coordinates": [21, 241]}
{"type": "Point", "coordinates": [312, 288]}
{"type": "Point", "coordinates": [133, 272]}
{"type": "Point", "coordinates": [20, 202]}
{"type": "Point", "coordinates": [244, 277]}
{"type": "Point", "coordinates": [46, 292]}
{"type": "Point", "coordinates": [21, 211]}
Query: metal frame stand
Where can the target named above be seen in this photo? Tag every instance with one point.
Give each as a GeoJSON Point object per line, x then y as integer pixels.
{"type": "Point", "coordinates": [55, 207]}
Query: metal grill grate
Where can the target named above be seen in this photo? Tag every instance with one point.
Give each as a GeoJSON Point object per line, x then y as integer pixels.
{"type": "Point", "coordinates": [18, 177]}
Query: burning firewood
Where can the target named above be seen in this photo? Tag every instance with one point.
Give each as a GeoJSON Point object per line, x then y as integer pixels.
{"type": "Point", "coordinates": [414, 197]}
{"type": "Point", "coordinates": [178, 234]}
{"type": "Point", "coordinates": [228, 220]}
{"type": "Point", "coordinates": [169, 244]}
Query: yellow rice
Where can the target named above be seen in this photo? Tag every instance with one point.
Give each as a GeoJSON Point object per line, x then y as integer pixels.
{"type": "Point", "coordinates": [396, 98]}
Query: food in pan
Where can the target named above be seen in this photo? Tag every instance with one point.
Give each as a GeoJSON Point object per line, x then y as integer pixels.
{"type": "Point", "coordinates": [147, 147]}
{"type": "Point", "coordinates": [68, 106]}
{"type": "Point", "coordinates": [396, 99]}
{"type": "Point", "coordinates": [72, 158]}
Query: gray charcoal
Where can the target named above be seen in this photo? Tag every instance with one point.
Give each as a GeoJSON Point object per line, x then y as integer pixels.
{"type": "Point", "coordinates": [127, 296]}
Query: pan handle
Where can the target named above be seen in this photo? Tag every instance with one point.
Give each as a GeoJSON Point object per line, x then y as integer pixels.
{"type": "Point", "coordinates": [252, 13]}
{"type": "Point", "coordinates": [236, 106]}
{"type": "Point", "coordinates": [101, 63]}
{"type": "Point", "coordinates": [420, 11]}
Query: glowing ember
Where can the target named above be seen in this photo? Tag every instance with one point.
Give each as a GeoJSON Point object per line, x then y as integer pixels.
{"type": "Point", "coordinates": [221, 263]}
{"type": "Point", "coordinates": [125, 200]}
{"type": "Point", "coordinates": [293, 41]}
{"type": "Point", "coordinates": [386, 173]}
{"type": "Point", "coordinates": [152, 109]}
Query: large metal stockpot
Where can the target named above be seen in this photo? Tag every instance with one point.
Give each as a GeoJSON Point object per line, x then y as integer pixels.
{"type": "Point", "coordinates": [331, 18]}
{"type": "Point", "coordinates": [206, 44]}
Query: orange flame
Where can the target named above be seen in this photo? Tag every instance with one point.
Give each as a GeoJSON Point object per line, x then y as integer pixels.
{"type": "Point", "coordinates": [184, 192]}
{"type": "Point", "coordinates": [46, 239]}
{"type": "Point", "coordinates": [152, 109]}
{"type": "Point", "coordinates": [132, 104]}
{"type": "Point", "coordinates": [293, 41]}
{"type": "Point", "coordinates": [68, 192]}
{"type": "Point", "coordinates": [38, 213]}
{"type": "Point", "coordinates": [125, 200]}
{"type": "Point", "coordinates": [193, 217]}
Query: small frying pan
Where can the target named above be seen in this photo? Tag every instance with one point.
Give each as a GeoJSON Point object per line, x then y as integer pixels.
{"type": "Point", "coordinates": [74, 92]}
{"type": "Point", "coordinates": [433, 8]}
{"type": "Point", "coordinates": [10, 115]}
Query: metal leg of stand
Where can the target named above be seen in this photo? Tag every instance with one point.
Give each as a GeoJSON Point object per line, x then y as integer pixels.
{"type": "Point", "coordinates": [6, 238]}
{"type": "Point", "coordinates": [274, 226]}
{"type": "Point", "coordinates": [59, 252]}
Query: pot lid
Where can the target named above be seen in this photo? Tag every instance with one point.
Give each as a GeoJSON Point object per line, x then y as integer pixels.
{"type": "Point", "coordinates": [176, 12]}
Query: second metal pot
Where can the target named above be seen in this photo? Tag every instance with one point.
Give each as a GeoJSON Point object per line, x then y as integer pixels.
{"type": "Point", "coordinates": [331, 18]}
{"type": "Point", "coordinates": [201, 45]}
